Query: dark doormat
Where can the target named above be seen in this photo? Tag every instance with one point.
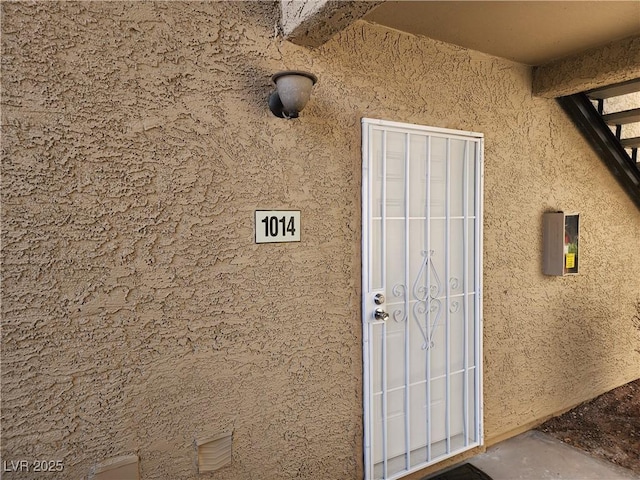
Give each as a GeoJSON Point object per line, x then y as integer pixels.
{"type": "Point", "coordinates": [463, 472]}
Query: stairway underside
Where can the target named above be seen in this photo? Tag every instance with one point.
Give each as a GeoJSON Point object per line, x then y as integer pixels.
{"type": "Point", "coordinates": [597, 129]}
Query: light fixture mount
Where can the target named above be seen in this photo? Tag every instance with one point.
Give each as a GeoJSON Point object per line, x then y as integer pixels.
{"type": "Point", "coordinates": [293, 90]}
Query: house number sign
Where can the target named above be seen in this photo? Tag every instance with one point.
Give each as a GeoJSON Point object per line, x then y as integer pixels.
{"type": "Point", "coordinates": [273, 226]}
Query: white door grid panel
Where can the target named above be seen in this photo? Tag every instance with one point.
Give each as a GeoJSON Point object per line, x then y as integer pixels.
{"type": "Point", "coordinates": [422, 295]}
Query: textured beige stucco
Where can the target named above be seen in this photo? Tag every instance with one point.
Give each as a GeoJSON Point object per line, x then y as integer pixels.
{"type": "Point", "coordinates": [312, 23]}
{"type": "Point", "coordinates": [138, 314]}
{"type": "Point", "coordinates": [597, 67]}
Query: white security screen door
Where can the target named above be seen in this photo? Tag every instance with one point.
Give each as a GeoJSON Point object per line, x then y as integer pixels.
{"type": "Point", "coordinates": [422, 295]}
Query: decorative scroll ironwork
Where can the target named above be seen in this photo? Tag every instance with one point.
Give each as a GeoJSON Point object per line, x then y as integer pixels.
{"type": "Point", "coordinates": [427, 298]}
{"type": "Point", "coordinates": [455, 306]}
{"type": "Point", "coordinates": [426, 289]}
{"type": "Point", "coordinates": [399, 315]}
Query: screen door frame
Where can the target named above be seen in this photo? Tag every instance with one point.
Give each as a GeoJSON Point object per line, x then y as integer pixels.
{"type": "Point", "coordinates": [368, 292]}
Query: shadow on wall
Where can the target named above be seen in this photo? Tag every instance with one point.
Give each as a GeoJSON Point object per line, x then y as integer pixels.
{"type": "Point", "coordinates": [257, 83]}
{"type": "Point", "coordinates": [584, 353]}
{"type": "Point", "coordinates": [636, 324]}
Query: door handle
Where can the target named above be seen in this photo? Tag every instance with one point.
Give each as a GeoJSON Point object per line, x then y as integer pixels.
{"type": "Point", "coordinates": [380, 314]}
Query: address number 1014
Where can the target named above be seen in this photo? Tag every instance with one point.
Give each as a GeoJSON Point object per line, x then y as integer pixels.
{"type": "Point", "coordinates": [274, 226]}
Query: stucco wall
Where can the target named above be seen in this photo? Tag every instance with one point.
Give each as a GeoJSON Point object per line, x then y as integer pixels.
{"type": "Point", "coordinates": [615, 62]}
{"type": "Point", "coordinates": [138, 315]}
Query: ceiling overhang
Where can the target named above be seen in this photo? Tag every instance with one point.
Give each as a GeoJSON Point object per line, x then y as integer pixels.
{"type": "Point", "coordinates": [529, 32]}
{"type": "Point", "coordinates": [575, 45]}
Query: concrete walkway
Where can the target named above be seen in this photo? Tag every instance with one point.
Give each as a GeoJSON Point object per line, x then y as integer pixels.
{"type": "Point", "coordinates": [536, 456]}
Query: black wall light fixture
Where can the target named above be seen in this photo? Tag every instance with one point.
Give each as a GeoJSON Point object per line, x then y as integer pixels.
{"type": "Point", "coordinates": [293, 89]}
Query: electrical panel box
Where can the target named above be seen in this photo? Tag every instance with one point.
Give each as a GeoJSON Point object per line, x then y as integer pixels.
{"type": "Point", "coordinates": [560, 243]}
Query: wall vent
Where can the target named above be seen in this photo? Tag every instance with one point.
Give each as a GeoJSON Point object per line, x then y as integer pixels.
{"type": "Point", "coordinates": [214, 452]}
{"type": "Point", "coordinates": [124, 467]}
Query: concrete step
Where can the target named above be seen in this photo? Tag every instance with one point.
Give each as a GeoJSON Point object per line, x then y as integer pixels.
{"type": "Point", "coordinates": [622, 118]}
{"type": "Point", "coordinates": [633, 142]}
{"type": "Point", "coordinates": [615, 90]}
